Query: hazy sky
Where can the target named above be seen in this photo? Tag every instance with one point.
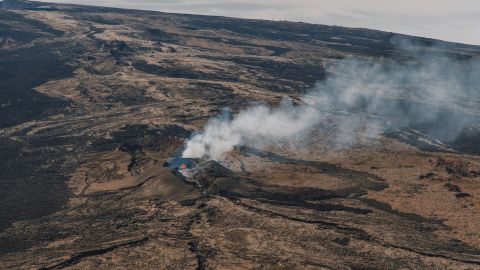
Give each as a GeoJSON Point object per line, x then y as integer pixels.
{"type": "Point", "coordinates": [452, 20]}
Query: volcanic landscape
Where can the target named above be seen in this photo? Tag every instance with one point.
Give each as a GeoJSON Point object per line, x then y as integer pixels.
{"type": "Point", "coordinates": [95, 102]}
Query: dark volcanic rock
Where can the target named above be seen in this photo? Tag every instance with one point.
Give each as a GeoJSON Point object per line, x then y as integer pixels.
{"type": "Point", "coordinates": [23, 69]}
{"type": "Point", "coordinates": [13, 4]}
{"type": "Point", "coordinates": [462, 195]}
{"type": "Point", "coordinates": [452, 187]}
{"type": "Point", "coordinates": [31, 182]}
{"type": "Point", "coordinates": [458, 168]}
{"type": "Point", "coordinates": [94, 100]}
{"type": "Point", "coordinates": [427, 175]}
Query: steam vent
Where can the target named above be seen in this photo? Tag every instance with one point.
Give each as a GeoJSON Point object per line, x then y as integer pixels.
{"type": "Point", "coordinates": [303, 146]}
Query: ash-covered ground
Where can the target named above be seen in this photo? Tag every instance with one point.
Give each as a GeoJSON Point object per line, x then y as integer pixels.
{"type": "Point", "coordinates": [94, 101]}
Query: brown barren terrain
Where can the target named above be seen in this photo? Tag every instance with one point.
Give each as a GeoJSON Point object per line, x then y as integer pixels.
{"type": "Point", "coordinates": [94, 100]}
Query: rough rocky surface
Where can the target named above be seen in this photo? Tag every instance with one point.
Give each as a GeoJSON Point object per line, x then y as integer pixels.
{"type": "Point", "coordinates": [94, 100]}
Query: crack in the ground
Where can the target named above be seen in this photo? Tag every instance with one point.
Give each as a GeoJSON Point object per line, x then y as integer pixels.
{"type": "Point", "coordinates": [75, 258]}
{"type": "Point", "coordinates": [358, 233]}
{"type": "Point", "coordinates": [193, 241]}
{"type": "Point", "coordinates": [353, 232]}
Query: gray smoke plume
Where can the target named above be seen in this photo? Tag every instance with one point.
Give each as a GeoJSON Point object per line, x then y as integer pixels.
{"type": "Point", "coordinates": [437, 93]}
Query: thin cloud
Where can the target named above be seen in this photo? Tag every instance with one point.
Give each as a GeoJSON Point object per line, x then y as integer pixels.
{"type": "Point", "coordinates": [442, 19]}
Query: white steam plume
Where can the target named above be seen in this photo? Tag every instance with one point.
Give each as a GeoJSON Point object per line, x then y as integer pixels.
{"type": "Point", "coordinates": [438, 93]}
{"type": "Point", "coordinates": [259, 124]}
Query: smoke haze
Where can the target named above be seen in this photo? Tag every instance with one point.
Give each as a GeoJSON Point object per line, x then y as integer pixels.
{"type": "Point", "coordinates": [437, 94]}
{"type": "Point", "coordinates": [254, 126]}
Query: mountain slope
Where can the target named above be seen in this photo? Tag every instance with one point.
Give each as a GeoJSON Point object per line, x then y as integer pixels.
{"type": "Point", "coordinates": [94, 100]}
